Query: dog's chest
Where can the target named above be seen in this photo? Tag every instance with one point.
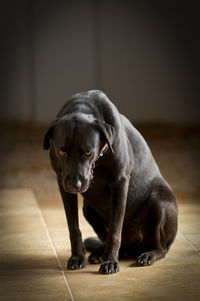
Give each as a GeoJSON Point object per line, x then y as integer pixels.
{"type": "Point", "coordinates": [99, 194]}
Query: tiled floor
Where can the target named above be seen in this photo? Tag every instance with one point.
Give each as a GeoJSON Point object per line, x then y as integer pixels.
{"type": "Point", "coordinates": [34, 247]}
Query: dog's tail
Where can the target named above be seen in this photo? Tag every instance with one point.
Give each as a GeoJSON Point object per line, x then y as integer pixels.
{"type": "Point", "coordinates": [93, 243]}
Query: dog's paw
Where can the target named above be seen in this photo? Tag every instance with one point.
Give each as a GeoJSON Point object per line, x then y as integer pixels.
{"type": "Point", "coordinates": [76, 263]}
{"type": "Point", "coordinates": [109, 267]}
{"type": "Point", "coordinates": [146, 259]}
{"type": "Point", "coordinates": [96, 256]}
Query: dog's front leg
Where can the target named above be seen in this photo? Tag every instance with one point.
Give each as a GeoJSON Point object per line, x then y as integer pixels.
{"type": "Point", "coordinates": [110, 264]}
{"type": "Point", "coordinates": [70, 201]}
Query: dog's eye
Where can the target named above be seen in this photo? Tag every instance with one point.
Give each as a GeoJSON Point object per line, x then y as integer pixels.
{"type": "Point", "coordinates": [62, 153]}
{"type": "Point", "coordinates": [88, 154]}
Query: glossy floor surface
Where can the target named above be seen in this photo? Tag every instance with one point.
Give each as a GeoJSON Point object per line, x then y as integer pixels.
{"type": "Point", "coordinates": [34, 239]}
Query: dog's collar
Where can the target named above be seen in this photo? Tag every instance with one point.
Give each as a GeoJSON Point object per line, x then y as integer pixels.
{"type": "Point", "coordinates": [105, 147]}
{"type": "Point", "coordinates": [103, 150]}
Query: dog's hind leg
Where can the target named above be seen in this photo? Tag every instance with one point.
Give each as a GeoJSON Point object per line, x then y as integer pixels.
{"type": "Point", "coordinates": [95, 245]}
{"type": "Point", "coordinates": [161, 226]}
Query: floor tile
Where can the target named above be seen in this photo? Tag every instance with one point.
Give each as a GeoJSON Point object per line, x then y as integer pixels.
{"type": "Point", "coordinates": [28, 266]}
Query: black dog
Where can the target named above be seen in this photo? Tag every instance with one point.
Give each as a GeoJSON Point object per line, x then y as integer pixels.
{"type": "Point", "coordinates": [128, 203]}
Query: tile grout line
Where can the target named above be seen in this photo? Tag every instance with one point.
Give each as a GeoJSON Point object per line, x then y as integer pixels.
{"type": "Point", "coordinates": [189, 241]}
{"type": "Point", "coordinates": [54, 248]}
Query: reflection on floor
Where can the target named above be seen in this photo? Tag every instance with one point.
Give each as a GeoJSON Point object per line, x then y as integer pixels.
{"type": "Point", "coordinates": [34, 239]}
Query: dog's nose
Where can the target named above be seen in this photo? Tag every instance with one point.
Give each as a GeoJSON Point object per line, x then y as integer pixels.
{"type": "Point", "coordinates": [78, 184]}
{"type": "Point", "coordinates": [75, 186]}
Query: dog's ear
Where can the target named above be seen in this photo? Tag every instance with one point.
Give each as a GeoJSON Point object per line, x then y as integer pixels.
{"type": "Point", "coordinates": [47, 137]}
{"type": "Point", "coordinates": [107, 133]}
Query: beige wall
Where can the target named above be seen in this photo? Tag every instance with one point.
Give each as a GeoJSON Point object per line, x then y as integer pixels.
{"type": "Point", "coordinates": [144, 57]}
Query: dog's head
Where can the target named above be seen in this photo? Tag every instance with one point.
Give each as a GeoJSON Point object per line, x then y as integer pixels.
{"type": "Point", "coordinates": [77, 141]}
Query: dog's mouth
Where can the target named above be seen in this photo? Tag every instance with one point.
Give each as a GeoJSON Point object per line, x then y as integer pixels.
{"type": "Point", "coordinates": [75, 191]}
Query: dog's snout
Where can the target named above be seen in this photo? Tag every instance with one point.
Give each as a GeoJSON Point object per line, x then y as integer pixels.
{"type": "Point", "coordinates": [72, 185]}
{"type": "Point", "coordinates": [76, 185]}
